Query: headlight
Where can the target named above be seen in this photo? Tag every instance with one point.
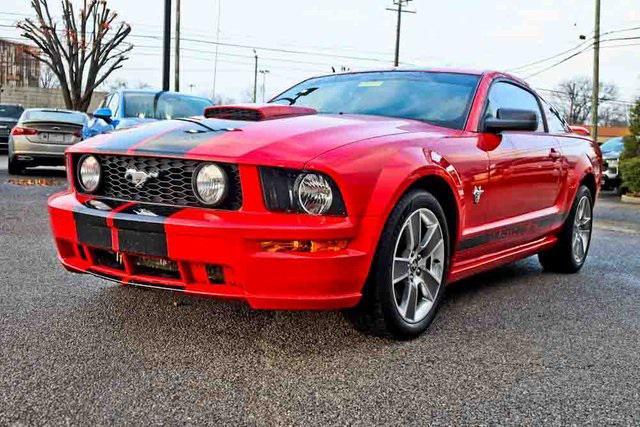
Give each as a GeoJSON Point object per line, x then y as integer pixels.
{"type": "Point", "coordinates": [210, 184]}
{"type": "Point", "coordinates": [288, 190]}
{"type": "Point", "coordinates": [89, 173]}
{"type": "Point", "coordinates": [314, 193]}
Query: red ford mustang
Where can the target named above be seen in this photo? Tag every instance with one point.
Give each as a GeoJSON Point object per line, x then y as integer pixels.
{"type": "Point", "coordinates": [369, 191]}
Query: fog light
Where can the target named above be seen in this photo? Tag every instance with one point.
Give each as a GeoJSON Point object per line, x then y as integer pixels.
{"type": "Point", "coordinates": [308, 246]}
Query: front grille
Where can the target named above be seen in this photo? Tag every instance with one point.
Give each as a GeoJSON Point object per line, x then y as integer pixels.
{"type": "Point", "coordinates": [171, 187]}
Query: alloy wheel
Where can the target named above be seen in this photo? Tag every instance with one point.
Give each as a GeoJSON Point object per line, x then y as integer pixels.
{"type": "Point", "coordinates": [418, 265]}
{"type": "Point", "coordinates": [581, 230]}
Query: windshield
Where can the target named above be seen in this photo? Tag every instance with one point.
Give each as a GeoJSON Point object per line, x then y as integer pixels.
{"type": "Point", "coordinates": [54, 116]}
{"type": "Point", "coordinates": [614, 144]}
{"type": "Point", "coordinates": [10, 111]}
{"type": "Point", "coordinates": [167, 105]}
{"type": "Point", "coordinates": [442, 99]}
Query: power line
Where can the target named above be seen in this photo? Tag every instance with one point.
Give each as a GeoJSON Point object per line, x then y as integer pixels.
{"type": "Point", "coordinates": [562, 61]}
{"type": "Point", "coordinates": [546, 59]}
{"type": "Point", "coordinates": [559, 92]}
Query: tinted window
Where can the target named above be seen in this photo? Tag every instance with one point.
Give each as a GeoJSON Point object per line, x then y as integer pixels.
{"type": "Point", "coordinates": [554, 122]}
{"type": "Point", "coordinates": [113, 103]}
{"type": "Point", "coordinates": [11, 111]}
{"type": "Point", "coordinates": [506, 95]}
{"type": "Point", "coordinates": [54, 116]}
{"type": "Point", "coordinates": [166, 106]}
{"type": "Point", "coordinates": [442, 99]}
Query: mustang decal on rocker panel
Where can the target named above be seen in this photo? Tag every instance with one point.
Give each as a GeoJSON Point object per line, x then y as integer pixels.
{"type": "Point", "coordinates": [355, 191]}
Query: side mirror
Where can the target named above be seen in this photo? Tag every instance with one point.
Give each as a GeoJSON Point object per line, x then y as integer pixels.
{"type": "Point", "coordinates": [508, 119]}
{"type": "Point", "coordinates": [103, 113]}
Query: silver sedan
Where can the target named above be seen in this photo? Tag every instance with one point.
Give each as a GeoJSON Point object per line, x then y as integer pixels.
{"type": "Point", "coordinates": [41, 137]}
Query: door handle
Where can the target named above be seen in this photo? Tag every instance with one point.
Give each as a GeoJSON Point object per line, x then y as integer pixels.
{"type": "Point", "coordinates": [554, 154]}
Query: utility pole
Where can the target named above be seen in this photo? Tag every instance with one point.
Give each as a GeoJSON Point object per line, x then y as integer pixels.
{"type": "Point", "coordinates": [595, 96]}
{"type": "Point", "coordinates": [215, 60]}
{"type": "Point", "coordinates": [177, 46]}
{"type": "Point", "coordinates": [399, 5]}
{"type": "Point", "coordinates": [264, 83]}
{"type": "Point", "coordinates": [255, 78]}
{"type": "Point", "coordinates": [166, 45]}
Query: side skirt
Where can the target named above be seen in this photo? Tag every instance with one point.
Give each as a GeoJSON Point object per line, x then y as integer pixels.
{"type": "Point", "coordinates": [469, 267]}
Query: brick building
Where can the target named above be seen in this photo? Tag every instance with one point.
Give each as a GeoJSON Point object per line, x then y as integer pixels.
{"type": "Point", "coordinates": [17, 67]}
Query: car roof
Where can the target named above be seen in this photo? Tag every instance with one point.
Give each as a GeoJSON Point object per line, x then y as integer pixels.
{"type": "Point", "coordinates": [156, 91]}
{"type": "Point", "coordinates": [491, 73]}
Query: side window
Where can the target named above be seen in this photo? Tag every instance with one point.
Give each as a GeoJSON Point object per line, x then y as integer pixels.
{"type": "Point", "coordinates": [105, 101]}
{"type": "Point", "coordinates": [113, 103]}
{"type": "Point", "coordinates": [554, 122]}
{"type": "Point", "coordinates": [507, 95]}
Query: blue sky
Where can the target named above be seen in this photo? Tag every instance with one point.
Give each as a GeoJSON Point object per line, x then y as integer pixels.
{"type": "Point", "coordinates": [501, 34]}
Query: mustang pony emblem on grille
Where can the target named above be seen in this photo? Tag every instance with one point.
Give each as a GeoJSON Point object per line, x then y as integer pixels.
{"type": "Point", "coordinates": [139, 178]}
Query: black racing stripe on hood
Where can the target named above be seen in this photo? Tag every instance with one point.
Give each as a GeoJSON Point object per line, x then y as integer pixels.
{"type": "Point", "coordinates": [123, 140]}
{"type": "Point", "coordinates": [185, 138]}
{"type": "Point", "coordinates": [178, 142]}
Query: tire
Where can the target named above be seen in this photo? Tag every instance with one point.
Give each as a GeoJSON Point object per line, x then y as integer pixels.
{"type": "Point", "coordinates": [569, 254]}
{"type": "Point", "coordinates": [405, 307]}
{"type": "Point", "coordinates": [15, 167]}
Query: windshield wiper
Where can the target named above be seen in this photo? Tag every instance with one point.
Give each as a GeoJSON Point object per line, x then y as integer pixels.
{"type": "Point", "coordinates": [300, 94]}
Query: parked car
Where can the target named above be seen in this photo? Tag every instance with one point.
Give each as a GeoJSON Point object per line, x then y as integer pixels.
{"type": "Point", "coordinates": [125, 108]}
{"type": "Point", "coordinates": [41, 136]}
{"type": "Point", "coordinates": [364, 191]}
{"type": "Point", "coordinates": [611, 151]}
{"type": "Point", "coordinates": [9, 115]}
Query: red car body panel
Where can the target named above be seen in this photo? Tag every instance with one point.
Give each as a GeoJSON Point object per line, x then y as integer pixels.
{"type": "Point", "coordinates": [529, 180]}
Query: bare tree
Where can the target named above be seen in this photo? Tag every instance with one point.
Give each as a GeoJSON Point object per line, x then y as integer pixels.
{"type": "Point", "coordinates": [48, 79]}
{"type": "Point", "coordinates": [573, 98]}
{"type": "Point", "coordinates": [613, 114]}
{"type": "Point", "coordinates": [84, 51]}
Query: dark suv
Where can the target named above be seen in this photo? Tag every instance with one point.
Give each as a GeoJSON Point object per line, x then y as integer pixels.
{"type": "Point", "coordinates": [9, 115]}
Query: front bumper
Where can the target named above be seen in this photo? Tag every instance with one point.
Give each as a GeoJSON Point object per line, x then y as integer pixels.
{"type": "Point", "coordinates": [198, 240]}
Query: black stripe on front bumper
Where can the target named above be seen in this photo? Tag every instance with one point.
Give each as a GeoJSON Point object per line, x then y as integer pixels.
{"type": "Point", "coordinates": [91, 227]}
{"type": "Point", "coordinates": [137, 233]}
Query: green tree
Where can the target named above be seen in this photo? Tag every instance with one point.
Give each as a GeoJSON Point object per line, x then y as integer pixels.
{"type": "Point", "coordinates": [632, 142]}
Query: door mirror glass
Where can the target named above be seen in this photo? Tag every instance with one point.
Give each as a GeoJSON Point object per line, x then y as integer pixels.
{"type": "Point", "coordinates": [509, 119]}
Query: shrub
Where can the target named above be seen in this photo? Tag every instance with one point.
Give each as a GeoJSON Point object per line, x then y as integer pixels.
{"type": "Point", "coordinates": [632, 142]}
{"type": "Point", "coordinates": [630, 171]}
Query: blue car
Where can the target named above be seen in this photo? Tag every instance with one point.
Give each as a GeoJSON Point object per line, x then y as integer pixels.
{"type": "Point", "coordinates": [129, 107]}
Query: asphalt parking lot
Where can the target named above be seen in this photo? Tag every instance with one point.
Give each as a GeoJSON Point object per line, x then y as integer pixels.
{"type": "Point", "coordinates": [514, 346]}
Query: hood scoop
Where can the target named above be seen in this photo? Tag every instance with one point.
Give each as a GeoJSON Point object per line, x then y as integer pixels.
{"type": "Point", "coordinates": [256, 112]}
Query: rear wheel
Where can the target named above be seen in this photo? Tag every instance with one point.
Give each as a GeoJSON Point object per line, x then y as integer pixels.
{"type": "Point", "coordinates": [15, 167]}
{"type": "Point", "coordinates": [406, 283]}
{"type": "Point", "coordinates": [570, 253]}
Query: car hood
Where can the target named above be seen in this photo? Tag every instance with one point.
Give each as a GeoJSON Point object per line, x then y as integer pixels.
{"type": "Point", "coordinates": [285, 141]}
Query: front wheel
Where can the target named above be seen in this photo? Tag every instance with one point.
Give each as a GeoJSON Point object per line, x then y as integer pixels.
{"type": "Point", "coordinates": [407, 279]}
{"type": "Point", "coordinates": [570, 253]}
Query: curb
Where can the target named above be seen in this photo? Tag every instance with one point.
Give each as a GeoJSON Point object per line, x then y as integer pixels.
{"type": "Point", "coordinates": [635, 200]}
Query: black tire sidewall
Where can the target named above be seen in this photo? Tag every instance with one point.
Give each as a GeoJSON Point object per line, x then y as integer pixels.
{"type": "Point", "coordinates": [382, 271]}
